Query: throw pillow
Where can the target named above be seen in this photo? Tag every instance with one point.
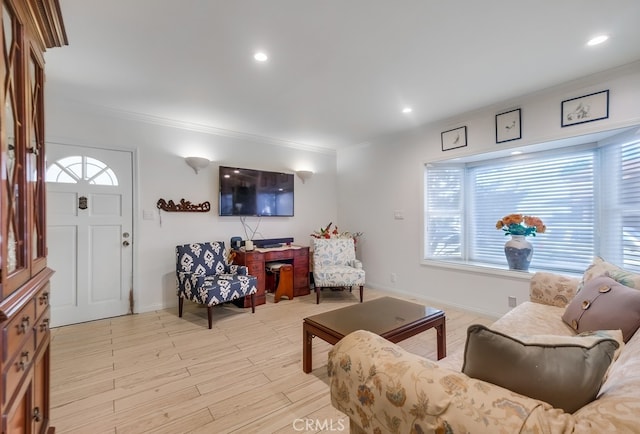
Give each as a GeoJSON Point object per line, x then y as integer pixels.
{"type": "Point", "coordinates": [565, 371]}
{"type": "Point", "coordinates": [604, 304]}
{"type": "Point", "coordinates": [600, 267]}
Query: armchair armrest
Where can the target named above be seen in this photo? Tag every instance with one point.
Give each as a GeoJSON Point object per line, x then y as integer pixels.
{"type": "Point", "coordinates": [552, 289]}
{"type": "Point", "coordinates": [356, 264]}
{"type": "Point", "coordinates": [241, 270]}
{"type": "Point", "coordinates": [383, 388]}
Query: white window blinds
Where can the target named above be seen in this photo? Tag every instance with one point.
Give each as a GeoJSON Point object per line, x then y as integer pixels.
{"type": "Point", "coordinates": [588, 197]}
{"type": "Point", "coordinates": [558, 189]}
{"type": "Point", "coordinates": [444, 210]}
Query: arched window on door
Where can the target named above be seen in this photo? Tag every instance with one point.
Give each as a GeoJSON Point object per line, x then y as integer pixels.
{"type": "Point", "coordinates": [71, 170]}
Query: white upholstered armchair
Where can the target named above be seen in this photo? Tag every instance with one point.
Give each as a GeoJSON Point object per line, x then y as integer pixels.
{"type": "Point", "coordinates": [335, 265]}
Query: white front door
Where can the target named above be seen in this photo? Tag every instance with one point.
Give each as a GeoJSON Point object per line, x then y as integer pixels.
{"type": "Point", "coordinates": [89, 232]}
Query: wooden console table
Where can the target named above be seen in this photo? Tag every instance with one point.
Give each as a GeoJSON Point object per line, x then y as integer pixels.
{"type": "Point", "coordinates": [256, 259]}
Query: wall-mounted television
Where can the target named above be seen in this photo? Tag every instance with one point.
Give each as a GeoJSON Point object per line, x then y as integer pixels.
{"type": "Point", "coordinates": [248, 192]}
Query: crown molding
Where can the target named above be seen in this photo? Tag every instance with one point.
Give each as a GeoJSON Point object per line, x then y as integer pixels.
{"type": "Point", "coordinates": [202, 128]}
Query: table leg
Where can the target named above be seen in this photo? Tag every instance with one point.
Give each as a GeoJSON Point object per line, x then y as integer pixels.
{"type": "Point", "coordinates": [307, 340]}
{"type": "Point", "coordinates": [442, 339]}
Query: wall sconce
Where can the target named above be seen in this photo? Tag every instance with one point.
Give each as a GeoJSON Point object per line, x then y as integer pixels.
{"type": "Point", "coordinates": [304, 175]}
{"type": "Point", "coordinates": [197, 163]}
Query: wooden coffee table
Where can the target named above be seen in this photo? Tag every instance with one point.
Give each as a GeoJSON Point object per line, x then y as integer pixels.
{"type": "Point", "coordinates": [389, 317]}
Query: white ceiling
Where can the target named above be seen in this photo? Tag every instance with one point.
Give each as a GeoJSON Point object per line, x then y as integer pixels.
{"type": "Point", "coordinates": [339, 71]}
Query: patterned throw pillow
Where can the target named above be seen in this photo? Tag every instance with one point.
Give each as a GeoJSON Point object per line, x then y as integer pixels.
{"type": "Point", "coordinates": [565, 371]}
{"type": "Point", "coordinates": [600, 267]}
{"type": "Point", "coordinates": [604, 304]}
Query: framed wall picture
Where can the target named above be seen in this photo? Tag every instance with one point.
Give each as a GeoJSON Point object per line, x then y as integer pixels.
{"type": "Point", "coordinates": [509, 126]}
{"type": "Point", "coordinates": [588, 108]}
{"type": "Point", "coordinates": [456, 138]}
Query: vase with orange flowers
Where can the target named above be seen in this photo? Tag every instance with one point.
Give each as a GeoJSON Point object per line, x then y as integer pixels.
{"type": "Point", "coordinates": [518, 250]}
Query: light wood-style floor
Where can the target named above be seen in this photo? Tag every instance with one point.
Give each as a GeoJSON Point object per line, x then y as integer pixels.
{"type": "Point", "coordinates": [157, 373]}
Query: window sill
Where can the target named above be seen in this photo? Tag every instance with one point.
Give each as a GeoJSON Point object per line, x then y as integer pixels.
{"type": "Point", "coordinates": [489, 269]}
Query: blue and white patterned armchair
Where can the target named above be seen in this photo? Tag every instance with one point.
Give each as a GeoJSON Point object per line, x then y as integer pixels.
{"type": "Point", "coordinates": [205, 277]}
{"type": "Point", "coordinates": [335, 265]}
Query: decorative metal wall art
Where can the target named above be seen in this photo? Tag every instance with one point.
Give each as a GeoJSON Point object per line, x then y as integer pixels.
{"type": "Point", "coordinates": [183, 206]}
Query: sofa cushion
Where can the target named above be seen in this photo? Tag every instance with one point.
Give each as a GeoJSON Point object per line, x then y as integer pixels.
{"type": "Point", "coordinates": [552, 289]}
{"type": "Point", "coordinates": [565, 371]}
{"type": "Point", "coordinates": [604, 304]}
{"type": "Point", "coordinates": [600, 267]}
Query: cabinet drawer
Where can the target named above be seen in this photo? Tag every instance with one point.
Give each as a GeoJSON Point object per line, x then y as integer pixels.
{"type": "Point", "coordinates": [301, 253]}
{"type": "Point", "coordinates": [41, 329]}
{"type": "Point", "coordinates": [42, 300]}
{"type": "Point", "coordinates": [18, 329]}
{"type": "Point", "coordinates": [255, 268]}
{"type": "Point", "coordinates": [278, 255]}
{"type": "Point", "coordinates": [17, 368]}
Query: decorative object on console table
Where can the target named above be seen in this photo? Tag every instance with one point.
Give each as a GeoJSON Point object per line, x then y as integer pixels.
{"type": "Point", "coordinates": [249, 233]}
{"type": "Point", "coordinates": [28, 28]}
{"type": "Point", "coordinates": [235, 243]}
{"type": "Point", "coordinates": [518, 250]}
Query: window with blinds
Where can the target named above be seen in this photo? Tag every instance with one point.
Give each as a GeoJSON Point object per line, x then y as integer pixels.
{"type": "Point", "coordinates": [587, 196]}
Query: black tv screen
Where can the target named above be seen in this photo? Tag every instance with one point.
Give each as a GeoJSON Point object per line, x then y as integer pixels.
{"type": "Point", "coordinates": [247, 192]}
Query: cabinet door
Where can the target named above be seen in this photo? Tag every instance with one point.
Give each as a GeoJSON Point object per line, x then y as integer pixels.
{"type": "Point", "coordinates": [40, 412]}
{"type": "Point", "coordinates": [14, 251]}
{"type": "Point", "coordinates": [301, 272]}
{"type": "Point", "coordinates": [35, 166]}
{"type": "Point", "coordinates": [17, 418]}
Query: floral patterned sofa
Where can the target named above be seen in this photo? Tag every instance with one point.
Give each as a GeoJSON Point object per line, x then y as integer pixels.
{"type": "Point", "coordinates": [385, 389]}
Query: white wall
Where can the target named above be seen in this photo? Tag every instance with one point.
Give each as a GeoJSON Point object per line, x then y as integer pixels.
{"type": "Point", "coordinates": [161, 172]}
{"type": "Point", "coordinates": [386, 175]}
{"type": "Point", "coordinates": [360, 188]}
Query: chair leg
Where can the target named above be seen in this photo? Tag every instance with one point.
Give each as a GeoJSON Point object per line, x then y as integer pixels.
{"type": "Point", "coordinates": [317, 295]}
{"type": "Point", "coordinates": [361, 288]}
{"type": "Point", "coordinates": [210, 315]}
{"type": "Point", "coordinates": [253, 303]}
{"type": "Point", "coordinates": [180, 304]}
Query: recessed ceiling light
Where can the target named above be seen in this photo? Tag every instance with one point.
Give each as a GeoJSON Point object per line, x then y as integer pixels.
{"type": "Point", "coordinates": [407, 110]}
{"type": "Point", "coordinates": [597, 40]}
{"type": "Point", "coordinates": [516, 152]}
{"type": "Point", "coordinates": [260, 56]}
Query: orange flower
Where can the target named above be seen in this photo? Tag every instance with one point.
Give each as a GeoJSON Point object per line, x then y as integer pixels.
{"type": "Point", "coordinates": [519, 224]}
{"type": "Point", "coordinates": [512, 219]}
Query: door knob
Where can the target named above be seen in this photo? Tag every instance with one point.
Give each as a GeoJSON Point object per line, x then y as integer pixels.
{"type": "Point", "coordinates": [125, 243]}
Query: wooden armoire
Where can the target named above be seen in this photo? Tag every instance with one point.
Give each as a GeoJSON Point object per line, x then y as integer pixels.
{"type": "Point", "coordinates": [29, 27]}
